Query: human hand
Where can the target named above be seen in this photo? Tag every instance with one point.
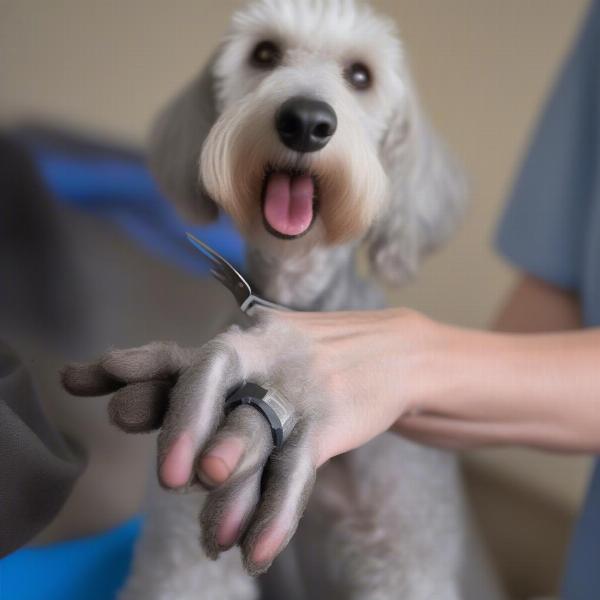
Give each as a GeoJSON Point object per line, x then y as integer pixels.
{"type": "Point", "coordinates": [339, 372]}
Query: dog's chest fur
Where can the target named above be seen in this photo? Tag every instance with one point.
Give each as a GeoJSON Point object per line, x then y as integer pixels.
{"type": "Point", "coordinates": [317, 279]}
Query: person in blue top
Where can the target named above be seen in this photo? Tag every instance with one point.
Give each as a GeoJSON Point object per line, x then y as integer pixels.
{"type": "Point", "coordinates": [535, 381]}
{"type": "Point", "coordinates": [551, 230]}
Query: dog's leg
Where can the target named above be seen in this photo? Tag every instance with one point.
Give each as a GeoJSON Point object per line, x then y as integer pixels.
{"type": "Point", "coordinates": [169, 563]}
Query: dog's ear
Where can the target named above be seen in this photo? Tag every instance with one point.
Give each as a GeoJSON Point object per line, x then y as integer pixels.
{"type": "Point", "coordinates": [175, 144]}
{"type": "Point", "coordinates": [427, 194]}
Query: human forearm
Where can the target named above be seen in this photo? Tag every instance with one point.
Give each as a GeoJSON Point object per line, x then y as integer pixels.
{"type": "Point", "coordinates": [488, 388]}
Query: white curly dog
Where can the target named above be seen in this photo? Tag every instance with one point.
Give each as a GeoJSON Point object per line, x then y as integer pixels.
{"type": "Point", "coordinates": [304, 127]}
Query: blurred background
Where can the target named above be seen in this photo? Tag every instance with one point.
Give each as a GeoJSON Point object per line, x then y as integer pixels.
{"type": "Point", "coordinates": [483, 68]}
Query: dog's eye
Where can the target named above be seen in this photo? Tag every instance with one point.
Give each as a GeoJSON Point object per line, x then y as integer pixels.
{"type": "Point", "coordinates": [266, 55]}
{"type": "Point", "coordinates": [358, 76]}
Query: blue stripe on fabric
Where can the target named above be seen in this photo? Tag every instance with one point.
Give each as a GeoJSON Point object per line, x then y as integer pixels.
{"type": "Point", "coordinates": [123, 191]}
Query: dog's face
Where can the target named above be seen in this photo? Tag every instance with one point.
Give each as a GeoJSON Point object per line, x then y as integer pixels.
{"type": "Point", "coordinates": [305, 124]}
{"type": "Point", "coordinates": [304, 92]}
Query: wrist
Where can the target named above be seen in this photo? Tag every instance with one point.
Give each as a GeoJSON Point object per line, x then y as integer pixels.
{"type": "Point", "coordinates": [440, 359]}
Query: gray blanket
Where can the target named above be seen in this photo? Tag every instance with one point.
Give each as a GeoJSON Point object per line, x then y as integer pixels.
{"type": "Point", "coordinates": [37, 465]}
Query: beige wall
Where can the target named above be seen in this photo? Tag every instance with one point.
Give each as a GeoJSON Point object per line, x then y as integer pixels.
{"type": "Point", "coordinates": [483, 67]}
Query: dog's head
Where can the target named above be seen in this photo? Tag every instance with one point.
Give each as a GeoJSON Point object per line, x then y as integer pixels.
{"type": "Point", "coordinates": [305, 124]}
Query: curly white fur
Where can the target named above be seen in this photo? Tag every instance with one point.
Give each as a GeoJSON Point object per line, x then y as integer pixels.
{"type": "Point", "coordinates": [385, 173]}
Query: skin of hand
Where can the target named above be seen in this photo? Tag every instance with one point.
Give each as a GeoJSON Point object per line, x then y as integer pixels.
{"type": "Point", "coordinates": [257, 494]}
{"type": "Point", "coordinates": [349, 376]}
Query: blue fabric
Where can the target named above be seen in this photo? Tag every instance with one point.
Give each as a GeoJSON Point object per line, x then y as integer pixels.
{"type": "Point", "coordinates": [121, 189]}
{"type": "Point", "coordinates": [551, 229]}
{"type": "Point", "coordinates": [91, 568]}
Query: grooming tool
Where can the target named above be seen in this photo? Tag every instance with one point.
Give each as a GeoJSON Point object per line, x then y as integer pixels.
{"type": "Point", "coordinates": [269, 402]}
{"type": "Point", "coordinates": [232, 279]}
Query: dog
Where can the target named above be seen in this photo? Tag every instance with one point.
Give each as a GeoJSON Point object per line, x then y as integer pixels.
{"type": "Point", "coordinates": [305, 127]}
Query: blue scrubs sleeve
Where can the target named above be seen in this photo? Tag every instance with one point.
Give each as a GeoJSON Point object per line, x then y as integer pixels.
{"type": "Point", "coordinates": [551, 229]}
{"type": "Point", "coordinates": [545, 224]}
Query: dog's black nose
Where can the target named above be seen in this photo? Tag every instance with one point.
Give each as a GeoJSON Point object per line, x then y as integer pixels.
{"type": "Point", "coordinates": [305, 124]}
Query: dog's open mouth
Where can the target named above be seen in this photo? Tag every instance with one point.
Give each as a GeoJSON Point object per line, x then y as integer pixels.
{"type": "Point", "coordinates": [288, 203]}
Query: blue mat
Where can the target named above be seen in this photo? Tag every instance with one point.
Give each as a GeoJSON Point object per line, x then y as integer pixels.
{"type": "Point", "coordinates": [91, 568]}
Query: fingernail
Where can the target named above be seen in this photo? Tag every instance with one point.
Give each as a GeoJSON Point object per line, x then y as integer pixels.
{"type": "Point", "coordinates": [177, 466]}
{"type": "Point", "coordinates": [220, 461]}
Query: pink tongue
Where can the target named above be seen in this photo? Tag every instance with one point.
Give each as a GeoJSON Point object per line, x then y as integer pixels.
{"type": "Point", "coordinates": [288, 206]}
